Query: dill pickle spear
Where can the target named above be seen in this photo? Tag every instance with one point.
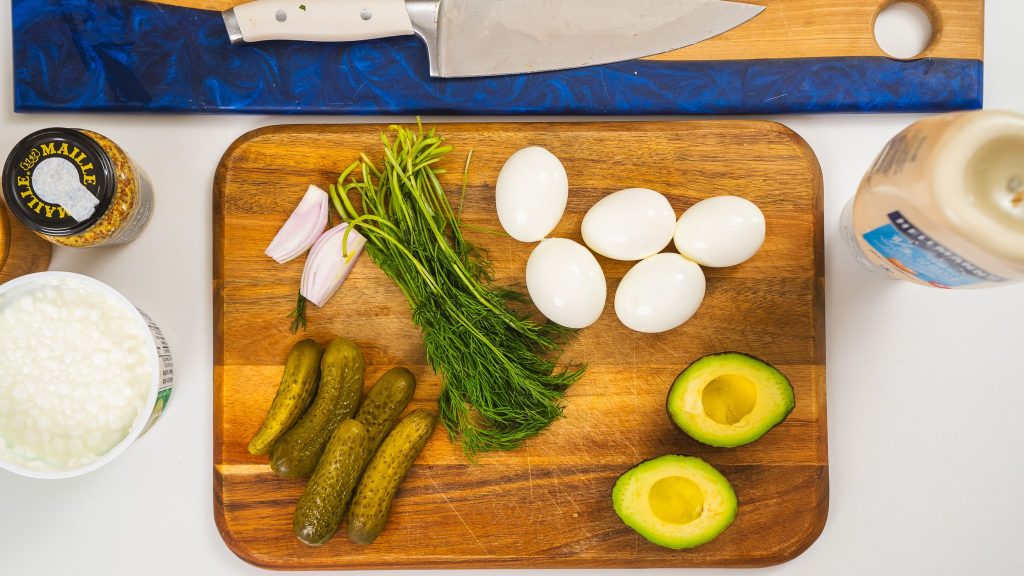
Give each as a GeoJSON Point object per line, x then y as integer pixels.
{"type": "Point", "coordinates": [296, 452]}
{"type": "Point", "coordinates": [298, 384]}
{"type": "Point", "coordinates": [322, 504]}
{"type": "Point", "coordinates": [384, 404]}
{"type": "Point", "coordinates": [385, 472]}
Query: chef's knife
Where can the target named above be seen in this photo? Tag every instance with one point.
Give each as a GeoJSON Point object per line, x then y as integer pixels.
{"type": "Point", "coordinates": [492, 37]}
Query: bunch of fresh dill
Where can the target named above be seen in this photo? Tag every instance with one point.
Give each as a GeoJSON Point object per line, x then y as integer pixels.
{"type": "Point", "coordinates": [501, 383]}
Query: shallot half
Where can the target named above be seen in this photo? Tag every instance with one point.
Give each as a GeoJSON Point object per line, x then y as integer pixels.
{"type": "Point", "coordinates": [329, 263]}
{"type": "Point", "coordinates": [302, 228]}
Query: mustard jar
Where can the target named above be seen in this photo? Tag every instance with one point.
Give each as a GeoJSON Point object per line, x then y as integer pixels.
{"type": "Point", "coordinates": [76, 188]}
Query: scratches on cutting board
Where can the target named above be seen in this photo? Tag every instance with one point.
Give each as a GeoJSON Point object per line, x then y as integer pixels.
{"type": "Point", "coordinates": [353, 99]}
{"type": "Point", "coordinates": [469, 529]}
{"type": "Point", "coordinates": [581, 523]}
{"type": "Point", "coordinates": [660, 344]}
{"type": "Point", "coordinates": [529, 471]}
{"type": "Point", "coordinates": [580, 544]}
{"type": "Point", "coordinates": [636, 396]}
{"type": "Point", "coordinates": [553, 499]}
{"type": "Point", "coordinates": [625, 438]}
{"type": "Point", "coordinates": [604, 84]}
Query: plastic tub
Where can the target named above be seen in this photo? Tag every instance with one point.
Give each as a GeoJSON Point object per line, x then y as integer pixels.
{"type": "Point", "coordinates": [159, 360]}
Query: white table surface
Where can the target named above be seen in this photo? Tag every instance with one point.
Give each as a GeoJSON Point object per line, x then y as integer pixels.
{"type": "Point", "coordinates": [925, 387]}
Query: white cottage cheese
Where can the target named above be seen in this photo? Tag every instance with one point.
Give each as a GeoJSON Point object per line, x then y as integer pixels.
{"type": "Point", "coordinates": [75, 372]}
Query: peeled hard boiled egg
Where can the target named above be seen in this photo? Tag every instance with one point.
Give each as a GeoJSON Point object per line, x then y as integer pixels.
{"type": "Point", "coordinates": [630, 224]}
{"type": "Point", "coordinates": [720, 232]}
{"type": "Point", "coordinates": [531, 194]}
{"type": "Point", "coordinates": [566, 283]}
{"type": "Point", "coordinates": [659, 293]}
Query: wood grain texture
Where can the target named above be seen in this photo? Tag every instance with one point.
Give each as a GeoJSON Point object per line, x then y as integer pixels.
{"type": "Point", "coordinates": [21, 250]}
{"type": "Point", "coordinates": [808, 28]}
{"type": "Point", "coordinates": [548, 503]}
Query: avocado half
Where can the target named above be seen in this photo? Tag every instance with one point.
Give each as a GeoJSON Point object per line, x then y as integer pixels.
{"type": "Point", "coordinates": [729, 399]}
{"type": "Point", "coordinates": [675, 501]}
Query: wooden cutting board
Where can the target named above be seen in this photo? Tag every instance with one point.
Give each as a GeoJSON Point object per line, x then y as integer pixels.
{"type": "Point", "coordinates": [21, 250]}
{"type": "Point", "coordinates": [803, 28]}
{"type": "Point", "coordinates": [174, 56]}
{"type": "Point", "coordinates": [548, 503]}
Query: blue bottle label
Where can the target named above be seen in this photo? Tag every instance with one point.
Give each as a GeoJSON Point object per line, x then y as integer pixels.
{"type": "Point", "coordinates": [910, 251]}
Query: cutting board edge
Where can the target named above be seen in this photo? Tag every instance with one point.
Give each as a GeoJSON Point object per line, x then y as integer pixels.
{"type": "Point", "coordinates": [22, 251]}
{"type": "Point", "coordinates": [778, 557]}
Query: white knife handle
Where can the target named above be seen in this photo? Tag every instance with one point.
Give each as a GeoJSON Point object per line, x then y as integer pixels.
{"type": "Point", "coordinates": [317, 20]}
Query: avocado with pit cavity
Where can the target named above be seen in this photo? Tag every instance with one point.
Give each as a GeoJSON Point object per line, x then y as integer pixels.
{"type": "Point", "coordinates": [675, 501]}
{"type": "Point", "coordinates": [729, 399]}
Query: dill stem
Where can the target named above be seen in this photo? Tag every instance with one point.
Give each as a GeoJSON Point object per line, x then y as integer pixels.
{"type": "Point", "coordinates": [499, 385]}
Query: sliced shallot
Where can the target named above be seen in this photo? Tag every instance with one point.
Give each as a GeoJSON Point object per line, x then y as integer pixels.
{"type": "Point", "coordinates": [329, 263]}
{"type": "Point", "coordinates": [302, 228]}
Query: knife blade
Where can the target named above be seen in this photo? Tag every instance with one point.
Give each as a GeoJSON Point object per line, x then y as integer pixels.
{"type": "Point", "coordinates": [467, 38]}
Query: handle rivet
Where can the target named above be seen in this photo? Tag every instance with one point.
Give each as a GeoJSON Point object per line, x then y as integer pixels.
{"type": "Point", "coordinates": [366, 14]}
{"type": "Point", "coordinates": [281, 15]}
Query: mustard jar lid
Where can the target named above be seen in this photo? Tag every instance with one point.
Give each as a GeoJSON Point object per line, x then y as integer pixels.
{"type": "Point", "coordinates": [58, 181]}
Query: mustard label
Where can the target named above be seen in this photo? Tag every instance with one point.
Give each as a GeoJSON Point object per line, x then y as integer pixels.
{"type": "Point", "coordinates": [85, 167]}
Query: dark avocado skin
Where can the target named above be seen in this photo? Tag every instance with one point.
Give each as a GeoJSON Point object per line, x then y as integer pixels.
{"type": "Point", "coordinates": [384, 404]}
{"type": "Point", "coordinates": [297, 452]}
{"type": "Point", "coordinates": [298, 385]}
{"type": "Point", "coordinates": [322, 505]}
{"type": "Point", "coordinates": [384, 474]}
{"type": "Point", "coordinates": [722, 355]}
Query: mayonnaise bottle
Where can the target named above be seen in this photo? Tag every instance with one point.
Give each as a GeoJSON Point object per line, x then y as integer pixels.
{"type": "Point", "coordinates": [943, 204]}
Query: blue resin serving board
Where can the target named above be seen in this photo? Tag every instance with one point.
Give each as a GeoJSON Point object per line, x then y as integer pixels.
{"type": "Point", "coordinates": [117, 56]}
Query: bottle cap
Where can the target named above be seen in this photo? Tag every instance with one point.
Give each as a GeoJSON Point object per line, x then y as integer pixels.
{"type": "Point", "coordinates": [58, 181]}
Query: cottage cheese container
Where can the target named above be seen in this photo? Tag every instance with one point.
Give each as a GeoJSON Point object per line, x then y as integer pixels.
{"type": "Point", "coordinates": [76, 188]}
{"type": "Point", "coordinates": [83, 374]}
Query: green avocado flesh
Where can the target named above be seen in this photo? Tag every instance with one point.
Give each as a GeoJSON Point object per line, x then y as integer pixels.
{"type": "Point", "coordinates": [675, 501]}
{"type": "Point", "coordinates": [729, 399]}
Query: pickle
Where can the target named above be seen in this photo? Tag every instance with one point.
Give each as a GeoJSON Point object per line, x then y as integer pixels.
{"type": "Point", "coordinates": [322, 504]}
{"type": "Point", "coordinates": [298, 384]}
{"type": "Point", "coordinates": [296, 452]}
{"type": "Point", "coordinates": [383, 405]}
{"type": "Point", "coordinates": [383, 475]}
